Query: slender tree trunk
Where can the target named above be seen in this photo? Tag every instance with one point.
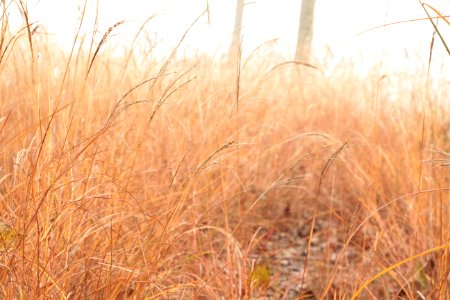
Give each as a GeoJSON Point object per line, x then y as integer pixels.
{"type": "Point", "coordinates": [305, 30]}
{"type": "Point", "coordinates": [235, 44]}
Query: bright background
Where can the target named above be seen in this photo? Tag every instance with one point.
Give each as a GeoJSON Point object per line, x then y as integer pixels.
{"type": "Point", "coordinates": [340, 27]}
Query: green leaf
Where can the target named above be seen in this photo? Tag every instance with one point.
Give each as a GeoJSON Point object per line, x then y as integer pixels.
{"type": "Point", "coordinates": [260, 276]}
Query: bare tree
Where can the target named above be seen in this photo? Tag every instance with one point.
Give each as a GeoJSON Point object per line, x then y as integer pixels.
{"type": "Point", "coordinates": [234, 48]}
{"type": "Point", "coordinates": [305, 30]}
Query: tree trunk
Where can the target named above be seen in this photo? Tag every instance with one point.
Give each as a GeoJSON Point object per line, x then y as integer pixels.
{"type": "Point", "coordinates": [235, 44]}
{"type": "Point", "coordinates": [305, 31]}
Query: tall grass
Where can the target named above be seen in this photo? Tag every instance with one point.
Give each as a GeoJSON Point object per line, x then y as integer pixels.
{"type": "Point", "coordinates": [128, 177]}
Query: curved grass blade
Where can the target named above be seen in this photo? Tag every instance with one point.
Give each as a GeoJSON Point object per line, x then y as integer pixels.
{"type": "Point", "coordinates": [434, 24]}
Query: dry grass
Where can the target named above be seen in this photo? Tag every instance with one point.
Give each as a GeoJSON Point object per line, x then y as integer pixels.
{"type": "Point", "coordinates": [131, 179]}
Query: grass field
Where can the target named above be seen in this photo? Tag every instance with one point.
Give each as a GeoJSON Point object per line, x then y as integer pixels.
{"type": "Point", "coordinates": [133, 178]}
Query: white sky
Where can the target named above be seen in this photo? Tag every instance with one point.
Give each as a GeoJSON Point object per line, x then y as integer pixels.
{"type": "Point", "coordinates": [337, 25]}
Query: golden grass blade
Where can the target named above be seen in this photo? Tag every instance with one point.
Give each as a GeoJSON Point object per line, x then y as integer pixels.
{"type": "Point", "coordinates": [323, 173]}
{"type": "Point", "coordinates": [387, 270]}
{"type": "Point", "coordinates": [398, 23]}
